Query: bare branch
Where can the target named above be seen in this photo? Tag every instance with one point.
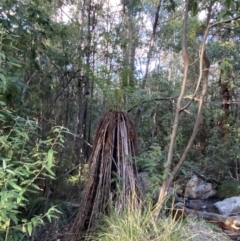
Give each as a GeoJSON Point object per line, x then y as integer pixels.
{"type": "Point", "coordinates": [203, 58]}
{"type": "Point", "coordinates": [199, 115]}
{"type": "Point", "coordinates": [224, 21]}
{"type": "Point", "coordinates": [155, 99]}
{"type": "Point", "coordinates": [167, 180]}
{"type": "Point", "coordinates": [28, 81]}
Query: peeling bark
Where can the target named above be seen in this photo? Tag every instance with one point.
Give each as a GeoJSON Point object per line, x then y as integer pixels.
{"type": "Point", "coordinates": [112, 178]}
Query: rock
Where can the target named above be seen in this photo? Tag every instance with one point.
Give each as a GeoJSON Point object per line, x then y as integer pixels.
{"type": "Point", "coordinates": [228, 206]}
{"type": "Point", "coordinates": [205, 191]}
{"type": "Point", "coordinates": [202, 231]}
{"type": "Point", "coordinates": [191, 186]}
{"type": "Point", "coordinates": [195, 188]}
{"type": "Point", "coordinates": [206, 205]}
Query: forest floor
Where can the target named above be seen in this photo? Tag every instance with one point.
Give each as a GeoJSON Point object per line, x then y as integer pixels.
{"type": "Point", "coordinates": [198, 230]}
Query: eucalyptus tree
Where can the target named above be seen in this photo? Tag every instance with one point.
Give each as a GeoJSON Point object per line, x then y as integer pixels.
{"type": "Point", "coordinates": [213, 19]}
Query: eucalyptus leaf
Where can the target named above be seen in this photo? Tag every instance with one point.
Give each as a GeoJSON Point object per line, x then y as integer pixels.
{"type": "Point", "coordinates": [14, 185]}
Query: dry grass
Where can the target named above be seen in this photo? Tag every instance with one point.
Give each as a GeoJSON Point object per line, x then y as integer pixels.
{"type": "Point", "coordinates": [139, 225]}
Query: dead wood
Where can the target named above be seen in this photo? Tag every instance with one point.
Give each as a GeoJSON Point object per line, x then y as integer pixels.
{"type": "Point", "coordinates": [224, 221]}
{"type": "Point", "coordinates": [112, 177]}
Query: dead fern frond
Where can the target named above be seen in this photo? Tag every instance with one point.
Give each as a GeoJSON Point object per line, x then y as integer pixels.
{"type": "Point", "coordinates": [112, 179]}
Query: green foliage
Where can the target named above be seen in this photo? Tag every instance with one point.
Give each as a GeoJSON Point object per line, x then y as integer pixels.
{"type": "Point", "coordinates": [24, 160]}
{"type": "Point", "coordinates": [228, 188]}
{"type": "Point", "coordinates": [193, 6]}
{"type": "Point", "coordinates": [228, 9]}
{"type": "Point", "coordinates": [226, 66]}
{"type": "Point", "coordinates": [121, 93]}
{"type": "Point", "coordinates": [170, 5]}
{"type": "Point", "coordinates": [216, 145]}
{"type": "Point", "coordinates": [10, 84]}
{"type": "Point", "coordinates": [152, 162]}
{"type": "Point", "coordinates": [47, 67]}
{"type": "Point", "coordinates": [126, 78]}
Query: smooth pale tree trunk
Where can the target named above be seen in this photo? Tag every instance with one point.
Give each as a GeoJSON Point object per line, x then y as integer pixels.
{"type": "Point", "coordinates": [204, 65]}
{"type": "Point", "coordinates": [203, 78]}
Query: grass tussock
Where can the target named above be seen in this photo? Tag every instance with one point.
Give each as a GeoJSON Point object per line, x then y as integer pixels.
{"type": "Point", "coordinates": [139, 225]}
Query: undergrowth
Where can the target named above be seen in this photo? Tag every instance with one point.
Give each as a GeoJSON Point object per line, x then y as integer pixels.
{"type": "Point", "coordinates": [139, 225]}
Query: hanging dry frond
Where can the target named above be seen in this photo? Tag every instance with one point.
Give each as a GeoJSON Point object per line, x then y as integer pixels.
{"type": "Point", "coordinates": [112, 178]}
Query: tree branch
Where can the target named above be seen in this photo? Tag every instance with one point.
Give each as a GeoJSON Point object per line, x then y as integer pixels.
{"type": "Point", "coordinates": [203, 58]}
{"type": "Point", "coordinates": [199, 115]}
{"type": "Point", "coordinates": [224, 21]}
{"type": "Point", "coordinates": [167, 180]}
{"type": "Point", "coordinates": [155, 99]}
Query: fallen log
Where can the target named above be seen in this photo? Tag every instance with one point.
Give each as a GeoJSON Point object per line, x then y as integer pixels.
{"type": "Point", "coordinates": [226, 222]}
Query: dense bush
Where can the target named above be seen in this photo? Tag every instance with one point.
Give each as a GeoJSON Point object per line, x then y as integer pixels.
{"type": "Point", "coordinates": [26, 161]}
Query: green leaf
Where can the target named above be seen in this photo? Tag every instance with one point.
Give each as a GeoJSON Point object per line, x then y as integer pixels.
{"type": "Point", "coordinates": [49, 218]}
{"type": "Point", "coordinates": [24, 229]}
{"type": "Point", "coordinates": [3, 195]}
{"type": "Point", "coordinates": [228, 3]}
{"type": "Point", "coordinates": [16, 65]}
{"type": "Point", "coordinates": [165, 164]}
{"type": "Point", "coordinates": [14, 219]}
{"type": "Point", "coordinates": [2, 55]}
{"type": "Point", "coordinates": [29, 228]}
{"type": "Point", "coordinates": [221, 14]}
{"type": "Point", "coordinates": [10, 171]}
{"type": "Point", "coordinates": [10, 153]}
{"type": "Point", "coordinates": [4, 164]}
{"type": "Point", "coordinates": [50, 171]}
{"type": "Point", "coordinates": [195, 8]}
{"type": "Point", "coordinates": [4, 80]}
{"type": "Point", "coordinates": [50, 158]}
{"type": "Point", "coordinates": [14, 185]}
{"type": "Point", "coordinates": [13, 20]}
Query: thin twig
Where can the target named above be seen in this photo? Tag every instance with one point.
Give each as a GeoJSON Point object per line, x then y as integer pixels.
{"type": "Point", "coordinates": [28, 81]}
{"type": "Point", "coordinates": [150, 100]}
